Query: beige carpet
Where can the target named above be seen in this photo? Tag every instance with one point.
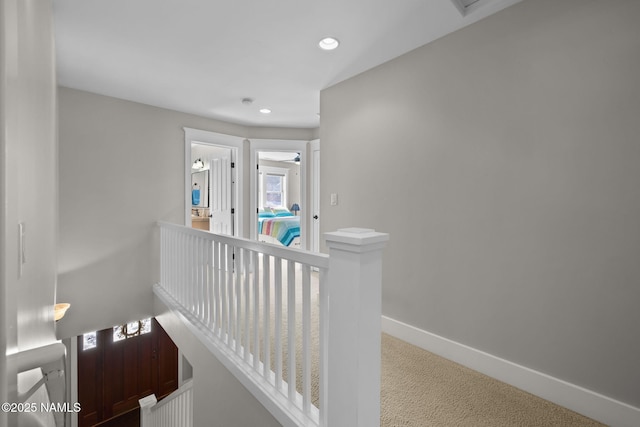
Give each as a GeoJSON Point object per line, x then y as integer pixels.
{"type": "Point", "coordinates": [422, 389]}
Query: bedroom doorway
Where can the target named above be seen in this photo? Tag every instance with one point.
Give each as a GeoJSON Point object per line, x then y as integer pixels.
{"type": "Point", "coordinates": [279, 195]}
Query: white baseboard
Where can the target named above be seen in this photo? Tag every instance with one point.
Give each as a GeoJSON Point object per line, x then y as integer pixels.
{"type": "Point", "coordinates": [571, 396]}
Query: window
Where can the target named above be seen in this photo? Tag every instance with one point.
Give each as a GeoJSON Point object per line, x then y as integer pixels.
{"type": "Point", "coordinates": [274, 190]}
{"type": "Point", "coordinates": [131, 329]}
{"type": "Point", "coordinates": [273, 187]}
{"type": "Point", "coordinates": [89, 340]}
{"type": "Point", "coordinates": [121, 332]}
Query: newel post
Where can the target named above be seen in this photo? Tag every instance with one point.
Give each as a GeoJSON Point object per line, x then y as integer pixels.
{"type": "Point", "coordinates": [352, 335]}
{"type": "Point", "coordinates": [146, 403]}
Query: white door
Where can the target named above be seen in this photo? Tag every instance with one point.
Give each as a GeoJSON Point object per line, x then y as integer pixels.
{"type": "Point", "coordinates": [221, 196]}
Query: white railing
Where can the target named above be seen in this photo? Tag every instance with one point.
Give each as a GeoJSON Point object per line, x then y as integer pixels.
{"type": "Point", "coordinates": [50, 360]}
{"type": "Point", "coordinates": [300, 330]}
{"type": "Point", "coordinates": [174, 410]}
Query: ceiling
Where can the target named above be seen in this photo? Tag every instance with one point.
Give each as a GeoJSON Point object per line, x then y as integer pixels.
{"type": "Point", "coordinates": [204, 56]}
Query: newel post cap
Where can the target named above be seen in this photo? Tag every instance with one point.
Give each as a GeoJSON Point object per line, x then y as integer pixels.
{"type": "Point", "coordinates": [356, 239]}
{"type": "Point", "coordinates": [147, 402]}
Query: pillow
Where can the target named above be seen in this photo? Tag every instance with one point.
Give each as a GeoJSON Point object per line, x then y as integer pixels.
{"type": "Point", "coordinates": [282, 212]}
{"type": "Point", "coordinates": [265, 213]}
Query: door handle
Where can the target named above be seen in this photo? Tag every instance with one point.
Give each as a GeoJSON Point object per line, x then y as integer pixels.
{"type": "Point", "coordinates": [315, 217]}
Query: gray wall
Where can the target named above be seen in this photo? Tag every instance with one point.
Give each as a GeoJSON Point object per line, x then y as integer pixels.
{"type": "Point", "coordinates": [503, 160]}
{"type": "Point", "coordinates": [28, 180]}
{"type": "Point", "coordinates": [121, 170]}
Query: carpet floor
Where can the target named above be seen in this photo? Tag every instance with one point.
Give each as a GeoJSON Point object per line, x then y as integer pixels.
{"type": "Point", "coordinates": [422, 389]}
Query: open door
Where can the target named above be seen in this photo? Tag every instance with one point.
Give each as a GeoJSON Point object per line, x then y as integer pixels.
{"type": "Point", "coordinates": [221, 196]}
{"type": "Point", "coordinates": [220, 156]}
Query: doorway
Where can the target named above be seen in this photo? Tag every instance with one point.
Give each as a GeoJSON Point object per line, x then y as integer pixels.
{"type": "Point", "coordinates": [120, 365]}
{"type": "Point", "coordinates": [213, 167]}
{"type": "Point", "coordinates": [212, 185]}
{"type": "Point", "coordinates": [279, 195]}
{"type": "Point", "coordinates": [279, 198]}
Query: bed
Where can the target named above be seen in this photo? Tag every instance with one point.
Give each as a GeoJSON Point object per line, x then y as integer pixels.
{"type": "Point", "coordinates": [279, 225]}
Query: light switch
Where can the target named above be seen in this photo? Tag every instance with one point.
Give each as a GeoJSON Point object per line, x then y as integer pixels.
{"type": "Point", "coordinates": [334, 199]}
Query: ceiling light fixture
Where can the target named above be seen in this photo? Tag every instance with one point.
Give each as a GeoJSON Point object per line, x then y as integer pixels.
{"type": "Point", "coordinates": [328, 43]}
{"type": "Point", "coordinates": [198, 164]}
{"type": "Point", "coordinates": [265, 111]}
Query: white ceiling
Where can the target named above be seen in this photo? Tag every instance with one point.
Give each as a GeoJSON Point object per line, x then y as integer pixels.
{"type": "Point", "coordinates": [204, 56]}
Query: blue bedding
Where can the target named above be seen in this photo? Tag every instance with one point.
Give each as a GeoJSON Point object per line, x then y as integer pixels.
{"type": "Point", "coordinates": [284, 229]}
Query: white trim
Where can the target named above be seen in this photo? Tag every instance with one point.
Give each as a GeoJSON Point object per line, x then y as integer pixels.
{"type": "Point", "coordinates": [314, 197]}
{"type": "Point", "coordinates": [571, 396]}
{"type": "Point", "coordinates": [236, 144]}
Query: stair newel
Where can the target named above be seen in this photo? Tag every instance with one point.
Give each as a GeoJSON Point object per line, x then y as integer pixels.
{"type": "Point", "coordinates": [352, 357]}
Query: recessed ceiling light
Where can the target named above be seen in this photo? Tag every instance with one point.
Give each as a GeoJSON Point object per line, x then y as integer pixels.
{"type": "Point", "coordinates": [328, 43]}
{"type": "Point", "coordinates": [265, 110]}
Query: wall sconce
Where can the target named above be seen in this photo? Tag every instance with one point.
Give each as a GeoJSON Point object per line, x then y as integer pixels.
{"type": "Point", "coordinates": [198, 164]}
{"type": "Point", "coordinates": [60, 309]}
{"type": "Point", "coordinates": [295, 208]}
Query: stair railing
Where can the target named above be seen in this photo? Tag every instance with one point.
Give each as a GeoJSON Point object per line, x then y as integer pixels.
{"type": "Point", "coordinates": [300, 330]}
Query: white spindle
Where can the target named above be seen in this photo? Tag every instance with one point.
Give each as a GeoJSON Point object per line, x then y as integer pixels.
{"type": "Point", "coordinates": [217, 274]}
{"type": "Point", "coordinates": [229, 299]}
{"type": "Point", "coordinates": [291, 327]}
{"type": "Point", "coordinates": [247, 259]}
{"type": "Point", "coordinates": [306, 338]}
{"type": "Point", "coordinates": [208, 296]}
{"type": "Point", "coordinates": [237, 270]}
{"type": "Point", "coordinates": [278, 321]}
{"type": "Point", "coordinates": [202, 283]}
{"type": "Point", "coordinates": [266, 312]}
{"type": "Point", "coordinates": [256, 317]}
{"type": "Point", "coordinates": [223, 294]}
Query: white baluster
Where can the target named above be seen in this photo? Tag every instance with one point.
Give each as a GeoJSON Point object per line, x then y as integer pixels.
{"type": "Point", "coordinates": [230, 297]}
{"type": "Point", "coordinates": [291, 329]}
{"type": "Point", "coordinates": [237, 271]}
{"type": "Point", "coordinates": [278, 321]}
{"type": "Point", "coordinates": [246, 258]}
{"type": "Point", "coordinates": [306, 338]}
{"type": "Point", "coordinates": [216, 287]}
{"type": "Point", "coordinates": [256, 317]}
{"type": "Point", "coordinates": [266, 312]}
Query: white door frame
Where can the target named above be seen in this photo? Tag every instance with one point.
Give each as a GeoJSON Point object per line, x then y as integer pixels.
{"type": "Point", "coordinates": [235, 143]}
{"type": "Point", "coordinates": [298, 146]}
{"type": "Point", "coordinates": [314, 195]}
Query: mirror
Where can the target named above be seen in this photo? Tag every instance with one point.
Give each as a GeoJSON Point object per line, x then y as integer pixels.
{"type": "Point", "coordinates": [200, 189]}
